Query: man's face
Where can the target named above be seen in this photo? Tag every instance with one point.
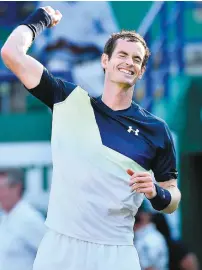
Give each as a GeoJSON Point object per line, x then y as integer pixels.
{"type": "Point", "coordinates": [6, 192]}
{"type": "Point", "coordinates": [125, 65]}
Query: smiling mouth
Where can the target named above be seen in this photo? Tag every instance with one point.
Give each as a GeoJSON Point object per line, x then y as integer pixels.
{"type": "Point", "coordinates": [125, 71]}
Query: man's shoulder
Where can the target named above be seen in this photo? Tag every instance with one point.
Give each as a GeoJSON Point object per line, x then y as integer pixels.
{"type": "Point", "coordinates": [150, 116]}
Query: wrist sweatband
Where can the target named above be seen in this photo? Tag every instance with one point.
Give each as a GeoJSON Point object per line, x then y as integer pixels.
{"type": "Point", "coordinates": [38, 21]}
{"type": "Point", "coordinates": [162, 199]}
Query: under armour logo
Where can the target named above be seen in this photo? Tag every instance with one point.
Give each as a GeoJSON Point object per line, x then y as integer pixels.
{"type": "Point", "coordinates": [130, 128]}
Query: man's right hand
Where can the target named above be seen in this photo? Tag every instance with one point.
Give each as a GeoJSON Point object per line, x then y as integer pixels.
{"type": "Point", "coordinates": [14, 52]}
{"type": "Point", "coordinates": [55, 15]}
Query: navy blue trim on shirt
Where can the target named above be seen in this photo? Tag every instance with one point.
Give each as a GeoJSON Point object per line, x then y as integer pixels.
{"type": "Point", "coordinates": [52, 90]}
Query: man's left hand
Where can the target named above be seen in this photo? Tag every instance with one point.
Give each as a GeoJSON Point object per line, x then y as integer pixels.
{"type": "Point", "coordinates": [142, 182]}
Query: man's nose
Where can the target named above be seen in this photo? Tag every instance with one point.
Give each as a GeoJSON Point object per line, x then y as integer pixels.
{"type": "Point", "coordinates": [129, 61]}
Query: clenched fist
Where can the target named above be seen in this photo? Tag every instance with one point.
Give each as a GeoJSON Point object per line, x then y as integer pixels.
{"type": "Point", "coordinates": [55, 15]}
{"type": "Point", "coordinates": [142, 182]}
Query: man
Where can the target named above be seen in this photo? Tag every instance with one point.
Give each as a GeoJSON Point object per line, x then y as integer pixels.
{"type": "Point", "coordinates": [149, 242]}
{"type": "Point", "coordinates": [21, 226]}
{"type": "Point", "coordinates": [97, 143]}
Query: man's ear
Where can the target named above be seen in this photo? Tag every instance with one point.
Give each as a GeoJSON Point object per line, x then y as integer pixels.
{"type": "Point", "coordinates": [104, 60]}
{"type": "Point", "coordinates": [141, 73]}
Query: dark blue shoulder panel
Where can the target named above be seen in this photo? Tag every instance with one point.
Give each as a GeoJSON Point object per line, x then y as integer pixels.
{"type": "Point", "coordinates": [139, 135]}
{"type": "Point", "coordinates": [52, 90]}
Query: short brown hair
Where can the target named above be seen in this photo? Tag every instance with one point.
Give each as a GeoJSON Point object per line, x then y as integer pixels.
{"type": "Point", "coordinates": [131, 36]}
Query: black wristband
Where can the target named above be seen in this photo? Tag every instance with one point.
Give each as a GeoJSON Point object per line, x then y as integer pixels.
{"type": "Point", "coordinates": [38, 21]}
{"type": "Point", "coordinates": [162, 199]}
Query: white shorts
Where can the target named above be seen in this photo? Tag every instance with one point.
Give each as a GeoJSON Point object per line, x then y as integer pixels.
{"type": "Point", "coordinates": [60, 252]}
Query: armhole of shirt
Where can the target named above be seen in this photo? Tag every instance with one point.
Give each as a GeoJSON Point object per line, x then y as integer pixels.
{"type": "Point", "coordinates": [51, 90]}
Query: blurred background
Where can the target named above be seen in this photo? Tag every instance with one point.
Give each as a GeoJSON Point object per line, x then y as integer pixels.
{"type": "Point", "coordinates": [171, 88]}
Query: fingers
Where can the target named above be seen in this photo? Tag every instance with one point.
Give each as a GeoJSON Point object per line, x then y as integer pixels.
{"type": "Point", "coordinates": [145, 190]}
{"type": "Point", "coordinates": [58, 13]}
{"type": "Point", "coordinates": [49, 10]}
{"type": "Point", "coordinates": [139, 176]}
{"type": "Point", "coordinates": [142, 187]}
{"type": "Point", "coordinates": [140, 180]}
{"type": "Point", "coordinates": [130, 172]}
{"type": "Point", "coordinates": [58, 16]}
{"type": "Point", "coordinates": [55, 15]}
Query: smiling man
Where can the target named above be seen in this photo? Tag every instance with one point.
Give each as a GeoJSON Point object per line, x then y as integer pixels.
{"type": "Point", "coordinates": [104, 151]}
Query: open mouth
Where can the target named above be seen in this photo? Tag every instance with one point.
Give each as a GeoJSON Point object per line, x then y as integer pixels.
{"type": "Point", "coordinates": [126, 71]}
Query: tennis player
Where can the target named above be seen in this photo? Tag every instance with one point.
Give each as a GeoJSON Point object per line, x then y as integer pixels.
{"type": "Point", "coordinates": [104, 151]}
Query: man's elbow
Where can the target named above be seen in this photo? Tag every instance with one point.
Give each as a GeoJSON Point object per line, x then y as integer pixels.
{"type": "Point", "coordinates": [9, 56]}
{"type": "Point", "coordinates": [5, 54]}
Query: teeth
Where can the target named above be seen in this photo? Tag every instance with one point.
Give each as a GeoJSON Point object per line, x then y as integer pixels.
{"type": "Point", "coordinates": [126, 71]}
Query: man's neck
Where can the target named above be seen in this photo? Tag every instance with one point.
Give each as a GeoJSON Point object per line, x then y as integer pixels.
{"type": "Point", "coordinates": [117, 97]}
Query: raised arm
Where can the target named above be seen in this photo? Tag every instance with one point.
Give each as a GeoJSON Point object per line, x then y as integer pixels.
{"type": "Point", "coordinates": [14, 51]}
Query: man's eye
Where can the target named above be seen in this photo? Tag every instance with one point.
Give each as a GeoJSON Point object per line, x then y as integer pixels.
{"type": "Point", "coordinates": [137, 60]}
{"type": "Point", "coordinates": [122, 55]}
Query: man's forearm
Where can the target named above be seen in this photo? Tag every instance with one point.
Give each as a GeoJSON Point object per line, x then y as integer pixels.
{"type": "Point", "coordinates": [175, 199]}
{"type": "Point", "coordinates": [24, 37]}
{"type": "Point", "coordinates": [167, 196]}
